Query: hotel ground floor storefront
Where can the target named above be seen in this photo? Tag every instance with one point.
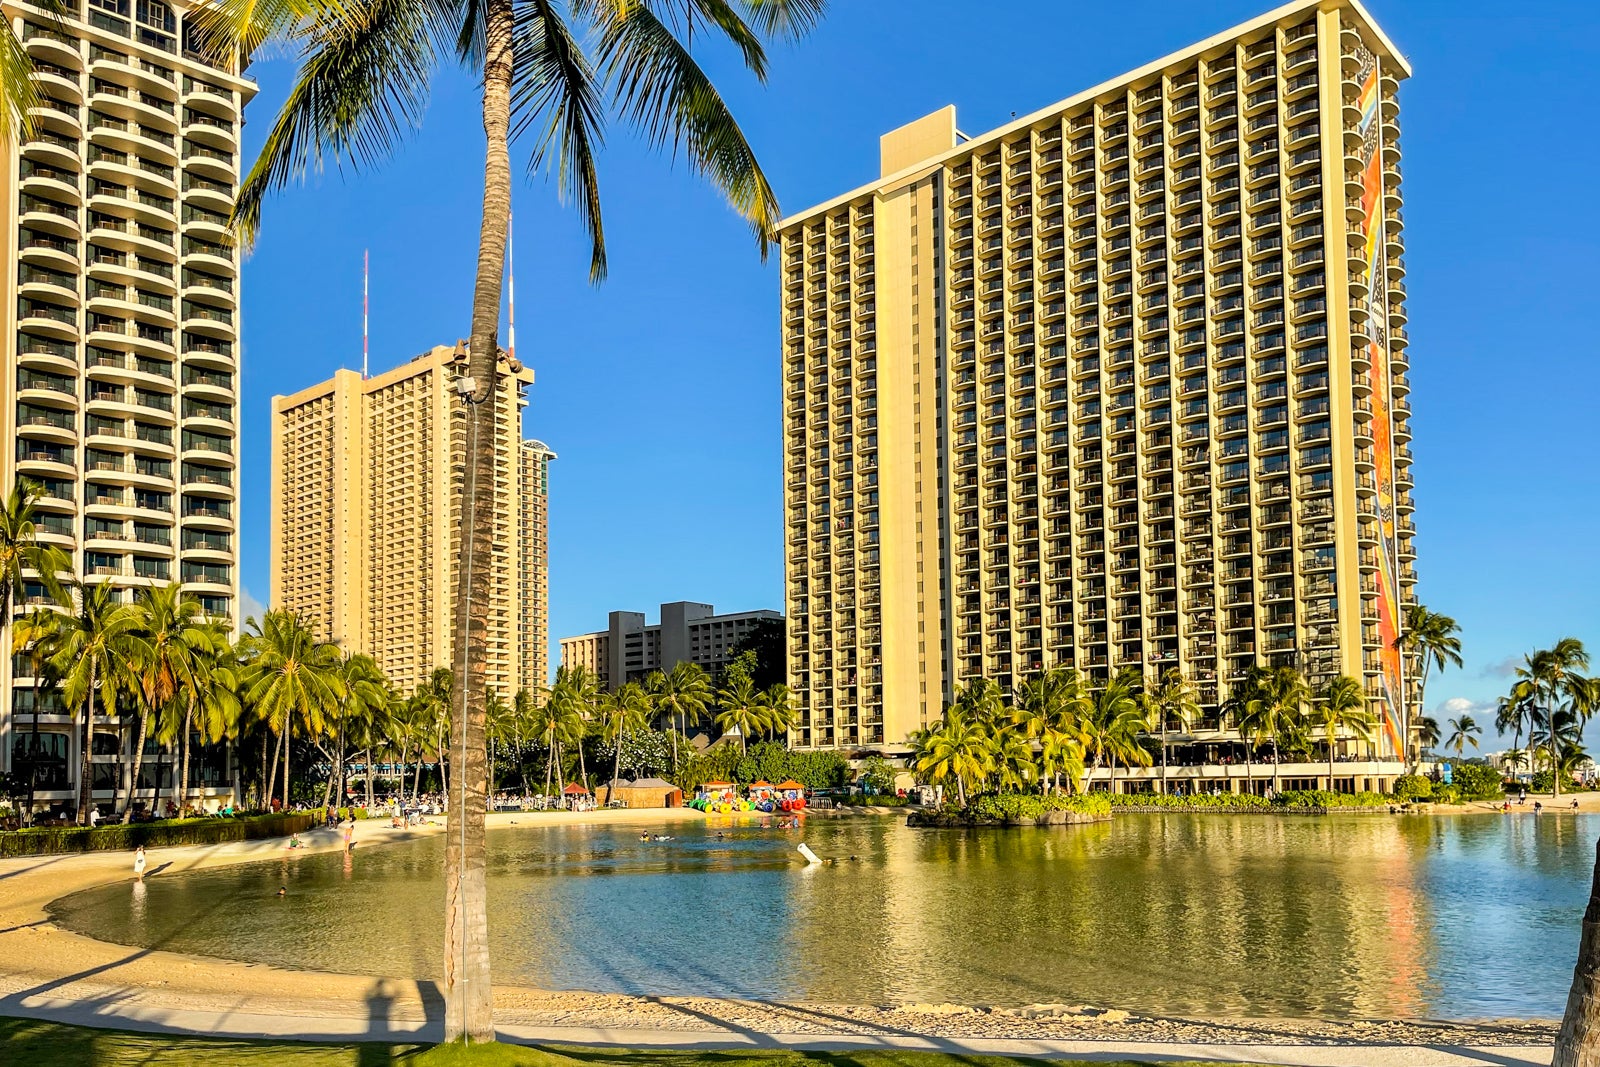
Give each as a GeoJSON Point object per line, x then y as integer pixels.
{"type": "Point", "coordinates": [50, 747]}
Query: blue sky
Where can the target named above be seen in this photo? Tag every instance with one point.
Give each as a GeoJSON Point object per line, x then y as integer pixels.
{"type": "Point", "coordinates": [660, 389]}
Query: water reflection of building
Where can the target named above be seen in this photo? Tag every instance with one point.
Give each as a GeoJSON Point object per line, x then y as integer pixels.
{"type": "Point", "coordinates": [1187, 915]}
{"type": "Point", "coordinates": [1119, 385]}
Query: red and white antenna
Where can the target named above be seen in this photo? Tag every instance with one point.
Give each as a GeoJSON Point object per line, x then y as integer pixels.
{"type": "Point", "coordinates": [366, 270]}
{"type": "Point", "coordinates": [511, 289]}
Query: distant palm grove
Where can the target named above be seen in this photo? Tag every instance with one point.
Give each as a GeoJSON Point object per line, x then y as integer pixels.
{"type": "Point", "coordinates": [141, 704]}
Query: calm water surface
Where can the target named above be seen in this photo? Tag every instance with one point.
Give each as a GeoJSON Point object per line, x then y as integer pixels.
{"type": "Point", "coordinates": [1459, 917]}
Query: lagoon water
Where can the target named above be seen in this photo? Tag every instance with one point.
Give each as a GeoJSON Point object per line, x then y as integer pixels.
{"type": "Point", "coordinates": [1339, 916]}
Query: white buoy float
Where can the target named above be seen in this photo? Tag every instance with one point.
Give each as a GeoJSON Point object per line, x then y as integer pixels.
{"type": "Point", "coordinates": [805, 850]}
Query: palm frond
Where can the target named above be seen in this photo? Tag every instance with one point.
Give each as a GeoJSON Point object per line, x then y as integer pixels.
{"type": "Point", "coordinates": [219, 28]}
{"type": "Point", "coordinates": [363, 86]}
{"type": "Point", "coordinates": [726, 18]}
{"type": "Point", "coordinates": [662, 90]}
{"type": "Point", "coordinates": [790, 19]}
{"type": "Point", "coordinates": [17, 90]}
{"type": "Point", "coordinates": [554, 87]}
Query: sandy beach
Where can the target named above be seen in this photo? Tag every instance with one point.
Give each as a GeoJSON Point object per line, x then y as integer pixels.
{"type": "Point", "coordinates": [49, 972]}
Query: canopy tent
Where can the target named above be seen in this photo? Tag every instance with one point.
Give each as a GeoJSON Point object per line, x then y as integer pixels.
{"type": "Point", "coordinates": [573, 789]}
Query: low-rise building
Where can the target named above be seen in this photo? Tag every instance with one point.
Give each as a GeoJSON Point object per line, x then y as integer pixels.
{"type": "Point", "coordinates": [628, 649]}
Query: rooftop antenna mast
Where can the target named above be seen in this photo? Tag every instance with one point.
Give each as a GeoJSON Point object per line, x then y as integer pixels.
{"type": "Point", "coordinates": [511, 290]}
{"type": "Point", "coordinates": [366, 270]}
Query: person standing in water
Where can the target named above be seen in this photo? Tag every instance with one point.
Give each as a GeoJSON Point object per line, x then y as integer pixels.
{"type": "Point", "coordinates": [350, 834]}
{"type": "Point", "coordinates": [138, 863]}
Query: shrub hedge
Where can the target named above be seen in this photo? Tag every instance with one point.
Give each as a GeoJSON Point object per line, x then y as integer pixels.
{"type": "Point", "coordinates": [1413, 787]}
{"type": "Point", "coordinates": [1478, 781]}
{"type": "Point", "coordinates": [54, 840]}
{"type": "Point", "coordinates": [1198, 802]}
{"type": "Point", "coordinates": [1026, 807]}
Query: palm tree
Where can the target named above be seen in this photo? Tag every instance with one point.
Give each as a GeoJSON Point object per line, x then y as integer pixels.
{"type": "Point", "coordinates": [1427, 732]}
{"type": "Point", "coordinates": [1342, 705]}
{"type": "Point", "coordinates": [1578, 1042]}
{"type": "Point", "coordinates": [20, 550]}
{"type": "Point", "coordinates": [92, 653]}
{"type": "Point", "coordinates": [1463, 732]}
{"type": "Point", "coordinates": [363, 80]}
{"type": "Point", "coordinates": [1049, 701]}
{"type": "Point", "coordinates": [739, 708]}
{"type": "Point", "coordinates": [291, 676]}
{"type": "Point", "coordinates": [777, 710]}
{"type": "Point", "coordinates": [1512, 714]}
{"type": "Point", "coordinates": [1013, 759]}
{"type": "Point", "coordinates": [683, 693]}
{"type": "Point", "coordinates": [1172, 698]}
{"type": "Point", "coordinates": [33, 635]}
{"type": "Point", "coordinates": [170, 647]}
{"type": "Point", "coordinates": [1112, 724]}
{"type": "Point", "coordinates": [1060, 750]}
{"type": "Point", "coordinates": [959, 747]}
{"type": "Point", "coordinates": [624, 710]}
{"type": "Point", "coordinates": [363, 694]}
{"type": "Point", "coordinates": [1436, 640]}
{"type": "Point", "coordinates": [1277, 708]}
{"type": "Point", "coordinates": [1552, 676]}
{"type": "Point", "coordinates": [524, 710]}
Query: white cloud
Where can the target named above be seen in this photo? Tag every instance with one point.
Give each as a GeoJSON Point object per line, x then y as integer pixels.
{"type": "Point", "coordinates": [1455, 707]}
{"type": "Point", "coordinates": [249, 606]}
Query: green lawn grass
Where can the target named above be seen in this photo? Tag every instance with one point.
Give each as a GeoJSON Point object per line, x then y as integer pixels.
{"type": "Point", "coordinates": [41, 1044]}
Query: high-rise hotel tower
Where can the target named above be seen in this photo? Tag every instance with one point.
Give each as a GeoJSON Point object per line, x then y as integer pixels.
{"type": "Point", "coordinates": [120, 327]}
{"type": "Point", "coordinates": [1121, 384]}
{"type": "Point", "coordinates": [367, 504]}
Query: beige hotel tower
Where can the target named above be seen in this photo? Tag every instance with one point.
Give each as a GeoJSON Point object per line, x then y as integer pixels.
{"type": "Point", "coordinates": [1121, 384]}
{"type": "Point", "coordinates": [366, 506]}
{"type": "Point", "coordinates": [120, 333]}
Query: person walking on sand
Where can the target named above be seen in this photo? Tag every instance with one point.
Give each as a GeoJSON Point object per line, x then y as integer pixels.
{"type": "Point", "coordinates": [138, 863]}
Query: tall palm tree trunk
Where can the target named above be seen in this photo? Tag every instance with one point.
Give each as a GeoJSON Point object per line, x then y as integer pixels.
{"type": "Point", "coordinates": [1578, 1043]}
{"type": "Point", "coordinates": [85, 783]}
{"type": "Point", "coordinates": [1163, 753]}
{"type": "Point", "coordinates": [1555, 755]}
{"type": "Point", "coordinates": [272, 775]}
{"type": "Point", "coordinates": [366, 761]}
{"type": "Point", "coordinates": [183, 768]}
{"type": "Point", "coordinates": [616, 765]}
{"type": "Point", "coordinates": [469, 1003]}
{"type": "Point", "coordinates": [288, 725]}
{"type": "Point", "coordinates": [33, 751]}
{"type": "Point", "coordinates": [138, 764]}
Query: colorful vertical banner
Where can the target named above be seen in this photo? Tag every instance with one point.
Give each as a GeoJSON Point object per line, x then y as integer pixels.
{"type": "Point", "coordinates": [1370, 126]}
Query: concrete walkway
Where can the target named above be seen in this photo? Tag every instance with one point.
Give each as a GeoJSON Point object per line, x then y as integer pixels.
{"type": "Point", "coordinates": [133, 1015]}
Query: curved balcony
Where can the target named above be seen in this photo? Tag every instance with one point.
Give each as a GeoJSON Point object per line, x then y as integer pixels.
{"type": "Point", "coordinates": [207, 385]}
{"type": "Point", "coordinates": [57, 118]}
{"type": "Point", "coordinates": [204, 192]}
{"type": "Point", "coordinates": [57, 289]}
{"type": "Point", "coordinates": [56, 425]}
{"type": "Point", "coordinates": [208, 162]}
{"type": "Point", "coordinates": [48, 216]}
{"type": "Point", "coordinates": [56, 184]}
{"type": "Point", "coordinates": [210, 130]}
{"type": "Point", "coordinates": [51, 46]}
{"type": "Point", "coordinates": [201, 320]}
{"type": "Point", "coordinates": [208, 255]}
{"type": "Point", "coordinates": [48, 320]}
